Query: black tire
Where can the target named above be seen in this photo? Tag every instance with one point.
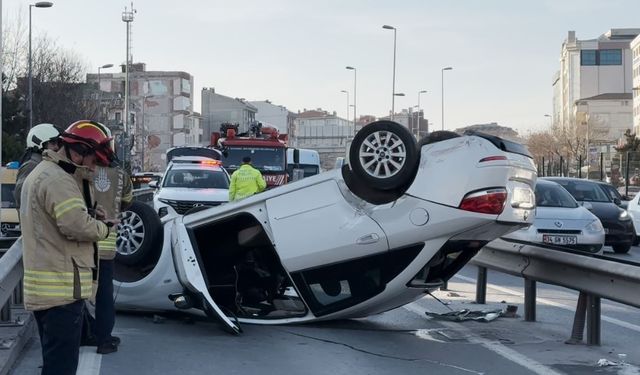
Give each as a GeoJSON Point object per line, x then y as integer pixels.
{"type": "Point", "coordinates": [367, 193]}
{"type": "Point", "coordinates": [139, 235]}
{"type": "Point", "coordinates": [621, 249]}
{"type": "Point", "coordinates": [383, 155]}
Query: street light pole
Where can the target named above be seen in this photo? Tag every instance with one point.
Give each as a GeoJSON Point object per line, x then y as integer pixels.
{"type": "Point", "coordinates": [347, 92]}
{"type": "Point", "coordinates": [442, 81]}
{"type": "Point", "coordinates": [355, 82]}
{"type": "Point", "coordinates": [105, 66]}
{"type": "Point", "coordinates": [393, 87]}
{"type": "Point", "coordinates": [40, 4]}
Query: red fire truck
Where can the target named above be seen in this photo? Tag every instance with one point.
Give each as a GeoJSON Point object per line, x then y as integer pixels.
{"type": "Point", "coordinates": [264, 144]}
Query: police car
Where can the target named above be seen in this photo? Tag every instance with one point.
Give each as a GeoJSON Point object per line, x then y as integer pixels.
{"type": "Point", "coordinates": [191, 182]}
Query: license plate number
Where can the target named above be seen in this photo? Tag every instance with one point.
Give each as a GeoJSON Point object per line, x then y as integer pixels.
{"type": "Point", "coordinates": [560, 240]}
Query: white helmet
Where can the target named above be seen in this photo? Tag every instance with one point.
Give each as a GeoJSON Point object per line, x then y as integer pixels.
{"type": "Point", "coordinates": [41, 134]}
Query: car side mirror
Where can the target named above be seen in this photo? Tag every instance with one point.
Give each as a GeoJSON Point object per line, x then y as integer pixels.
{"type": "Point", "coordinates": [587, 205]}
{"type": "Point", "coordinates": [617, 201]}
{"type": "Point", "coordinates": [153, 184]}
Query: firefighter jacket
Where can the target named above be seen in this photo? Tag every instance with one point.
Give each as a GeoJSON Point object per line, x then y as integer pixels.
{"type": "Point", "coordinates": [245, 182]}
{"type": "Point", "coordinates": [33, 158]}
{"type": "Point", "coordinates": [113, 191]}
{"type": "Point", "coordinates": [58, 234]}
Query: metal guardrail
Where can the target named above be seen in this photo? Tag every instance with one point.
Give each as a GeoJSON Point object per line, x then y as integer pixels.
{"type": "Point", "coordinates": [10, 276]}
{"type": "Point", "coordinates": [593, 276]}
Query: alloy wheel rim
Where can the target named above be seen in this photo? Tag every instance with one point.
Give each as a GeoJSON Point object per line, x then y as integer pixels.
{"type": "Point", "coordinates": [382, 154]}
{"type": "Point", "coordinates": [130, 234]}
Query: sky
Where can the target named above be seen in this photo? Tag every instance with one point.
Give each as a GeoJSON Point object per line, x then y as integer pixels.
{"type": "Point", "coordinates": [294, 52]}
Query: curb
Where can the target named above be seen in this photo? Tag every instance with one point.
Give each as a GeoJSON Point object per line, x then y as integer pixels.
{"type": "Point", "coordinates": [14, 337]}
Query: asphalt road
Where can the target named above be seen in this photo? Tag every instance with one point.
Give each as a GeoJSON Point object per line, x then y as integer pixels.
{"type": "Point", "coordinates": [402, 341]}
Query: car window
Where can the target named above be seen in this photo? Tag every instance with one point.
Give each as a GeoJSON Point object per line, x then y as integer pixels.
{"type": "Point", "coordinates": [611, 192]}
{"type": "Point", "coordinates": [196, 179]}
{"type": "Point", "coordinates": [7, 196]}
{"type": "Point", "coordinates": [584, 191]}
{"type": "Point", "coordinates": [548, 195]}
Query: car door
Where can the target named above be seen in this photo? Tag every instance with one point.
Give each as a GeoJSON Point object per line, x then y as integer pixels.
{"type": "Point", "coordinates": [191, 274]}
{"type": "Point", "coordinates": [315, 226]}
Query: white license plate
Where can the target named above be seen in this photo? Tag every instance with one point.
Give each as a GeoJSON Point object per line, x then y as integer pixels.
{"type": "Point", "coordinates": [560, 240]}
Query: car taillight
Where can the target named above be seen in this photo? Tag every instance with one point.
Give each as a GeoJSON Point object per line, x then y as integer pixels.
{"type": "Point", "coordinates": [486, 202]}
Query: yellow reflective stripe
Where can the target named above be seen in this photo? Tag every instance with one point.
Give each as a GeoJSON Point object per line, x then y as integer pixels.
{"type": "Point", "coordinates": [84, 287]}
{"type": "Point", "coordinates": [61, 275]}
{"type": "Point", "coordinates": [43, 279]}
{"type": "Point", "coordinates": [69, 202]}
{"type": "Point", "coordinates": [85, 292]}
{"type": "Point", "coordinates": [69, 208]}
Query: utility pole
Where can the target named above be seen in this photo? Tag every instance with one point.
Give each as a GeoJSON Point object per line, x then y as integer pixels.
{"type": "Point", "coordinates": [127, 17]}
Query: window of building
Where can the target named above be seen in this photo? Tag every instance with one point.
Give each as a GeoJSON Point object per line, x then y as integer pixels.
{"type": "Point", "coordinates": [610, 57]}
{"type": "Point", "coordinates": [588, 57]}
{"type": "Point", "coordinates": [118, 117]}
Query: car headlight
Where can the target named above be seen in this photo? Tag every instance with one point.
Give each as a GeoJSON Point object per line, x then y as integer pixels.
{"type": "Point", "coordinates": [595, 227]}
{"type": "Point", "coordinates": [624, 216]}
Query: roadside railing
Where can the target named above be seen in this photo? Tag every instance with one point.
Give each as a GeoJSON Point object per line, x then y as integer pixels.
{"type": "Point", "coordinates": [10, 279]}
{"type": "Point", "coordinates": [594, 276]}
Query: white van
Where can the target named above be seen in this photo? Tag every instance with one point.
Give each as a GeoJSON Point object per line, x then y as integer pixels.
{"type": "Point", "coordinates": [309, 162]}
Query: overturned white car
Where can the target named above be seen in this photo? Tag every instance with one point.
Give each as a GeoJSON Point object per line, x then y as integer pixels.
{"type": "Point", "coordinates": [397, 221]}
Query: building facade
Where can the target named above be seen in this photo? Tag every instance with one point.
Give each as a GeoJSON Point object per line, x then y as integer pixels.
{"type": "Point", "coordinates": [324, 132]}
{"type": "Point", "coordinates": [218, 109]}
{"type": "Point", "coordinates": [160, 112]}
{"type": "Point", "coordinates": [412, 120]}
{"type": "Point", "coordinates": [635, 74]}
{"type": "Point", "coordinates": [277, 116]}
{"type": "Point", "coordinates": [589, 68]}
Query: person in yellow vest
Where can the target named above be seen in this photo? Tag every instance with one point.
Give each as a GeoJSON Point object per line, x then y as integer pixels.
{"type": "Point", "coordinates": [113, 191]}
{"type": "Point", "coordinates": [58, 236]}
{"type": "Point", "coordinates": [245, 181]}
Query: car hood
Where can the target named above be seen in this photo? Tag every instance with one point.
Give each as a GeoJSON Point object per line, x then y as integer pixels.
{"type": "Point", "coordinates": [605, 210]}
{"type": "Point", "coordinates": [190, 194]}
{"type": "Point", "coordinates": [563, 218]}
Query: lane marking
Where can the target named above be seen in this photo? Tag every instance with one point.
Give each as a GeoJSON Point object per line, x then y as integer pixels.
{"type": "Point", "coordinates": [493, 346]}
{"type": "Point", "coordinates": [545, 301]}
{"type": "Point", "coordinates": [90, 361]}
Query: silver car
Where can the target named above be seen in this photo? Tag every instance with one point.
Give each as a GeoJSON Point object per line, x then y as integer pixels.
{"type": "Point", "coordinates": [561, 221]}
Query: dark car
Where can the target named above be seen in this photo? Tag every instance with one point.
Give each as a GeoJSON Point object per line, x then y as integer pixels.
{"type": "Point", "coordinates": [618, 226]}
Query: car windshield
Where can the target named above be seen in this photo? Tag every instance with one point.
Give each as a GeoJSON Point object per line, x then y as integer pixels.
{"type": "Point", "coordinates": [585, 191]}
{"type": "Point", "coordinates": [266, 159]}
{"type": "Point", "coordinates": [548, 195]}
{"type": "Point", "coordinates": [196, 179]}
{"type": "Point", "coordinates": [7, 196]}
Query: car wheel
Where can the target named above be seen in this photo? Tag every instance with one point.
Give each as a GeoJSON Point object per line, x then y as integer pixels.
{"type": "Point", "coordinates": [139, 234]}
{"type": "Point", "coordinates": [383, 155]}
{"type": "Point", "coordinates": [621, 249]}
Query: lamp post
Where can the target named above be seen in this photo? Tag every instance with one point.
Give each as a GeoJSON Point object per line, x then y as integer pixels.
{"type": "Point", "coordinates": [346, 92]}
{"type": "Point", "coordinates": [393, 87]}
{"type": "Point", "coordinates": [105, 66]}
{"type": "Point", "coordinates": [39, 4]}
{"type": "Point", "coordinates": [442, 81]}
{"type": "Point", "coordinates": [355, 81]}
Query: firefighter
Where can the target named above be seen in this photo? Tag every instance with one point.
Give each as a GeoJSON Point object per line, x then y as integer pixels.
{"type": "Point", "coordinates": [113, 191]}
{"type": "Point", "coordinates": [41, 137]}
{"type": "Point", "coordinates": [246, 181]}
{"type": "Point", "coordinates": [58, 235]}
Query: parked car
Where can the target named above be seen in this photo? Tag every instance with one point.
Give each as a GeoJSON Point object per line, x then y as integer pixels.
{"type": "Point", "coordinates": [398, 221]}
{"type": "Point", "coordinates": [561, 221]}
{"type": "Point", "coordinates": [141, 180]}
{"type": "Point", "coordinates": [633, 208]}
{"type": "Point", "coordinates": [618, 226]}
{"type": "Point", "coordinates": [10, 223]}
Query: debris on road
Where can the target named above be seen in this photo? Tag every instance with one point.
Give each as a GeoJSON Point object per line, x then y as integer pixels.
{"type": "Point", "coordinates": [465, 314]}
{"type": "Point", "coordinates": [605, 363]}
